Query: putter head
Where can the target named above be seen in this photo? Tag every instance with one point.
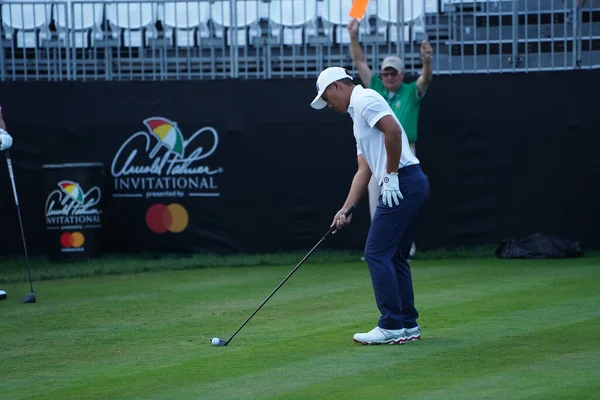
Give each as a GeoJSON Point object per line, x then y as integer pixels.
{"type": "Point", "coordinates": [218, 342]}
{"type": "Point", "coordinates": [30, 298]}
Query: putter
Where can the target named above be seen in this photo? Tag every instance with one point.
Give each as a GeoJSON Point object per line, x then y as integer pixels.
{"type": "Point", "coordinates": [29, 298]}
{"type": "Point", "coordinates": [221, 342]}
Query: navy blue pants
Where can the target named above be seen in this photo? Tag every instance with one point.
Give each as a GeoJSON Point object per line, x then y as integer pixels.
{"type": "Point", "coordinates": [388, 247]}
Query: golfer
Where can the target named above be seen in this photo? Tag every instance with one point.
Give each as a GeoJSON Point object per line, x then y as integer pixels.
{"type": "Point", "coordinates": [383, 151]}
{"type": "Point", "coordinates": [5, 138]}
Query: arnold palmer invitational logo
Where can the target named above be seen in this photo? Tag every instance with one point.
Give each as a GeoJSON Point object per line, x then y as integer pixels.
{"type": "Point", "coordinates": [70, 207]}
{"type": "Point", "coordinates": [160, 162]}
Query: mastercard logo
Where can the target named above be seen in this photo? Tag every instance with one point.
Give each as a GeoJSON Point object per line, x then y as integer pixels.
{"type": "Point", "coordinates": [173, 218]}
{"type": "Point", "coordinates": [72, 239]}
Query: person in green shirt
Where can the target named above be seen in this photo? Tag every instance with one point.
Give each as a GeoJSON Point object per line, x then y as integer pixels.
{"type": "Point", "coordinates": [403, 98]}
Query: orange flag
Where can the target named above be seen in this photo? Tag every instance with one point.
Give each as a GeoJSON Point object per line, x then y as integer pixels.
{"type": "Point", "coordinates": [358, 8]}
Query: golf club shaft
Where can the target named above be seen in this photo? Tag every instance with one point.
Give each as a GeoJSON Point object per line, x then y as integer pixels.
{"type": "Point", "coordinates": [331, 230]}
{"type": "Point", "coordinates": [14, 186]}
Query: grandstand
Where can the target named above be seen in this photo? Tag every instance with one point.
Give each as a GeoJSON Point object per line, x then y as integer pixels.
{"type": "Point", "coordinates": [249, 39]}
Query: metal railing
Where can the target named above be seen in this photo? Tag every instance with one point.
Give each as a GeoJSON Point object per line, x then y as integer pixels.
{"type": "Point", "coordinates": [275, 39]}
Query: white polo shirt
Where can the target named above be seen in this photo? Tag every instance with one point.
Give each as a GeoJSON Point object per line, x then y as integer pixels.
{"type": "Point", "coordinates": [367, 107]}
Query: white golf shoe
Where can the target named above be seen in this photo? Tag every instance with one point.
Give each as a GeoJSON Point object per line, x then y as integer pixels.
{"type": "Point", "coordinates": [378, 335]}
{"type": "Point", "coordinates": [413, 333]}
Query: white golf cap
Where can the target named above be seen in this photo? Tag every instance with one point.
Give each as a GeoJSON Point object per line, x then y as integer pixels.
{"type": "Point", "coordinates": [393, 62]}
{"type": "Point", "coordinates": [326, 78]}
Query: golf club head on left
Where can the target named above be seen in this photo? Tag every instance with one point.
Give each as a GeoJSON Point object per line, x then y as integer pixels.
{"type": "Point", "coordinates": [30, 298]}
{"type": "Point", "coordinates": [218, 342]}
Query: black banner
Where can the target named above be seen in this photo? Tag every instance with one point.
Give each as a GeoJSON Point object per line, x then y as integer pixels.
{"type": "Point", "coordinates": [74, 210]}
{"type": "Point", "coordinates": [247, 166]}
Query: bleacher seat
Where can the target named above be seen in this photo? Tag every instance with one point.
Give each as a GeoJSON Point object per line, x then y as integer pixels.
{"type": "Point", "coordinates": [412, 15]}
{"type": "Point", "coordinates": [293, 18]}
{"type": "Point", "coordinates": [136, 20]}
{"type": "Point", "coordinates": [246, 17]}
{"type": "Point", "coordinates": [432, 6]}
{"type": "Point", "coordinates": [334, 14]}
{"type": "Point", "coordinates": [31, 21]}
{"type": "Point", "coordinates": [83, 25]}
{"type": "Point", "coordinates": [186, 21]}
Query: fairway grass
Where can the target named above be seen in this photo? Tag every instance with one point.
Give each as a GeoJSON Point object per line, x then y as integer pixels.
{"type": "Point", "coordinates": [491, 329]}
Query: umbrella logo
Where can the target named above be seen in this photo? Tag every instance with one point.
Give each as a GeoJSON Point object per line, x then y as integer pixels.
{"type": "Point", "coordinates": [72, 191]}
{"type": "Point", "coordinates": [69, 204]}
{"type": "Point", "coordinates": [167, 133]}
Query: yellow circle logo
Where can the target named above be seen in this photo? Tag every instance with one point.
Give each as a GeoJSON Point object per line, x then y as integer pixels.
{"type": "Point", "coordinates": [173, 218]}
{"type": "Point", "coordinates": [72, 239]}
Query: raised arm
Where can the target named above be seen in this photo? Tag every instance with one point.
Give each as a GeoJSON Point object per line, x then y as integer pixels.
{"type": "Point", "coordinates": [358, 56]}
{"type": "Point", "coordinates": [427, 73]}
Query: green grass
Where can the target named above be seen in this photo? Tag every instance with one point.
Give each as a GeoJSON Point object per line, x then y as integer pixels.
{"type": "Point", "coordinates": [492, 329]}
{"type": "Point", "coordinates": [15, 269]}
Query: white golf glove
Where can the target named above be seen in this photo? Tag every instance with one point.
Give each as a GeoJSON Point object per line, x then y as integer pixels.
{"type": "Point", "coordinates": [5, 140]}
{"type": "Point", "coordinates": [391, 190]}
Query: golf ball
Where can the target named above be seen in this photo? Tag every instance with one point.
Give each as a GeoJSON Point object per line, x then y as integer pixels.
{"type": "Point", "coordinates": [215, 341]}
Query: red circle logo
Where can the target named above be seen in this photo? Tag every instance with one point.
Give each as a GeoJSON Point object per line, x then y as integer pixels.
{"type": "Point", "coordinates": [161, 218]}
{"type": "Point", "coordinates": [72, 239]}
